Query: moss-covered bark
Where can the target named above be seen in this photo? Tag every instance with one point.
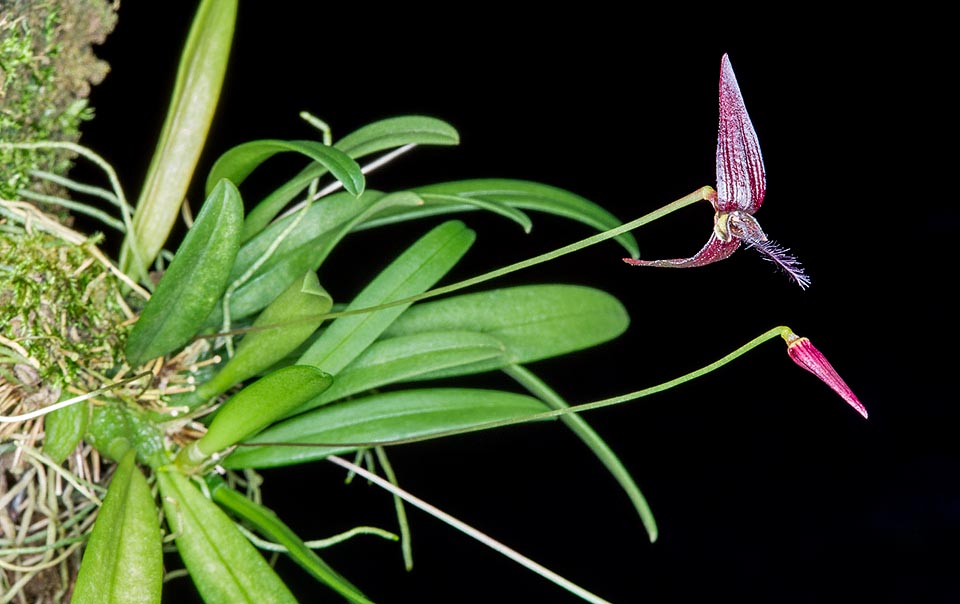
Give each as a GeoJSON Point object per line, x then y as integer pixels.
{"type": "Point", "coordinates": [47, 66]}
{"type": "Point", "coordinates": [59, 308]}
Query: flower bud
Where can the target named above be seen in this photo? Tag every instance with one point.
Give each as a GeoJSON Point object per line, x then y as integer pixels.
{"type": "Point", "coordinates": [805, 354]}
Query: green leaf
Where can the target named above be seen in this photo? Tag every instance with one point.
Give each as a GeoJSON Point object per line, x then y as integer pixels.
{"type": "Point", "coordinates": [532, 322]}
{"type": "Point", "coordinates": [438, 205]}
{"type": "Point", "coordinates": [314, 252]}
{"type": "Point", "coordinates": [274, 274]}
{"type": "Point", "coordinates": [271, 205]}
{"type": "Point", "coordinates": [269, 525]}
{"type": "Point", "coordinates": [278, 331]}
{"type": "Point", "coordinates": [311, 224]}
{"type": "Point", "coordinates": [330, 239]}
{"type": "Point", "coordinates": [594, 442]}
{"type": "Point", "coordinates": [378, 136]}
{"type": "Point", "coordinates": [223, 565]}
{"type": "Point", "coordinates": [380, 418]}
{"type": "Point", "coordinates": [396, 132]}
{"type": "Point", "coordinates": [63, 429]}
{"type": "Point", "coordinates": [408, 358]}
{"type": "Point", "coordinates": [526, 195]}
{"type": "Point", "coordinates": [302, 249]}
{"type": "Point", "coordinates": [237, 163]}
{"type": "Point", "coordinates": [194, 281]}
{"type": "Point", "coordinates": [116, 427]}
{"type": "Point", "coordinates": [413, 272]}
{"type": "Point", "coordinates": [194, 101]}
{"type": "Point", "coordinates": [123, 561]}
{"type": "Point", "coordinates": [255, 407]}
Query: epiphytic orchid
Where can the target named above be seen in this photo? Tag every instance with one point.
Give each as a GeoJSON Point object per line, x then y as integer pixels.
{"type": "Point", "coordinates": [741, 184]}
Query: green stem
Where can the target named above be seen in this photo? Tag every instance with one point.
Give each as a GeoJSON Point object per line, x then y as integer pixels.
{"type": "Point", "coordinates": [607, 402]}
{"type": "Point", "coordinates": [700, 194]}
{"type": "Point", "coordinates": [767, 335]}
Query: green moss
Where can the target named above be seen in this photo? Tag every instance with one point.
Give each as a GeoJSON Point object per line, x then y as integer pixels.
{"type": "Point", "coordinates": [58, 304]}
{"type": "Point", "coordinates": [46, 69]}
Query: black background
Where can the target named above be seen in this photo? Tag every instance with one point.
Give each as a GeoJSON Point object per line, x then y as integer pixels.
{"type": "Point", "coordinates": [767, 487]}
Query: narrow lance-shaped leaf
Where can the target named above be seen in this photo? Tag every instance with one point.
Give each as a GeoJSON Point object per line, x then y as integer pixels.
{"type": "Point", "coordinates": [330, 239]}
{"type": "Point", "coordinates": [256, 293]}
{"type": "Point", "coordinates": [380, 418]}
{"type": "Point", "coordinates": [395, 132]}
{"type": "Point", "coordinates": [522, 194]}
{"type": "Point", "coordinates": [532, 322]}
{"type": "Point", "coordinates": [237, 163]}
{"type": "Point", "coordinates": [263, 213]}
{"type": "Point", "coordinates": [268, 524]}
{"type": "Point", "coordinates": [301, 249]}
{"type": "Point", "coordinates": [255, 407]}
{"type": "Point", "coordinates": [378, 136]}
{"type": "Point", "coordinates": [408, 358]}
{"type": "Point", "coordinates": [271, 276]}
{"type": "Point", "coordinates": [195, 94]}
{"type": "Point", "coordinates": [194, 281]}
{"type": "Point", "coordinates": [224, 566]}
{"type": "Point", "coordinates": [311, 224]}
{"type": "Point", "coordinates": [123, 561]}
{"type": "Point", "coordinates": [579, 426]}
{"type": "Point", "coordinates": [436, 204]}
{"type": "Point", "coordinates": [278, 331]}
{"type": "Point", "coordinates": [413, 272]}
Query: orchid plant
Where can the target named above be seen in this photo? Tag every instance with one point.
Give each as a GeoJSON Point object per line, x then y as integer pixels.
{"type": "Point", "coordinates": [240, 359]}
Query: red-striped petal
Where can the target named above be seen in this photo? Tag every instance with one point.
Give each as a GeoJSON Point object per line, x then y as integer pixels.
{"type": "Point", "coordinates": [741, 180]}
{"type": "Point", "coordinates": [713, 251]}
{"type": "Point", "coordinates": [807, 356]}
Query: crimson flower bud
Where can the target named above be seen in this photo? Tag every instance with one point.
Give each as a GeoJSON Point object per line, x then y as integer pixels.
{"type": "Point", "coordinates": [805, 354]}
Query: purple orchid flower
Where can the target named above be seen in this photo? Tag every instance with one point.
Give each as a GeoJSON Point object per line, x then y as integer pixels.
{"type": "Point", "coordinates": [741, 184]}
